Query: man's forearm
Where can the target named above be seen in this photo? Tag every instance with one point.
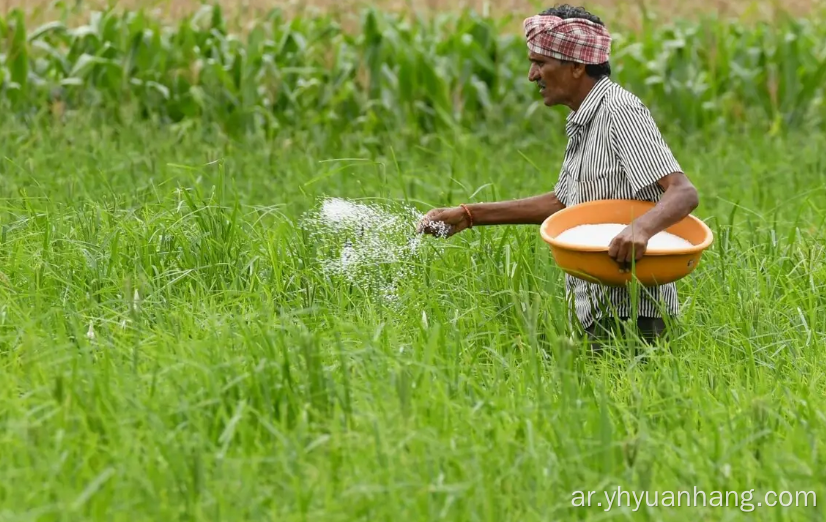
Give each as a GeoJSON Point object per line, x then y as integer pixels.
{"type": "Point", "coordinates": [528, 211]}
{"type": "Point", "coordinates": [677, 202]}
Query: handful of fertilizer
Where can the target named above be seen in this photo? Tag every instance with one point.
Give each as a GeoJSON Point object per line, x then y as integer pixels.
{"type": "Point", "coordinates": [374, 247]}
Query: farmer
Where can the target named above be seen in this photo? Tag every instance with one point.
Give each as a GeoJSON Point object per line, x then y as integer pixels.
{"type": "Point", "coordinates": [615, 151]}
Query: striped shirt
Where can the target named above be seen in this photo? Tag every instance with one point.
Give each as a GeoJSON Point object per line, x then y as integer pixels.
{"type": "Point", "coordinates": [615, 151]}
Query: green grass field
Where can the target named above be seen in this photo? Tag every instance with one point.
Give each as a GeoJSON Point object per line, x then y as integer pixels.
{"type": "Point", "coordinates": [171, 350]}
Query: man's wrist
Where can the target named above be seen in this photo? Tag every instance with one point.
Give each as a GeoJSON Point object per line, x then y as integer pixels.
{"type": "Point", "coordinates": [477, 211]}
{"type": "Point", "coordinates": [643, 226]}
{"type": "Point", "coordinates": [468, 215]}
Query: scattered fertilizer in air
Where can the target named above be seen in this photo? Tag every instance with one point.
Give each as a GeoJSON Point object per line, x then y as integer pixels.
{"type": "Point", "coordinates": [374, 247]}
{"type": "Point", "coordinates": [602, 234]}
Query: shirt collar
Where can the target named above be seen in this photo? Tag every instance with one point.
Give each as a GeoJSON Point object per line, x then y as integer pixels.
{"type": "Point", "coordinates": [582, 117]}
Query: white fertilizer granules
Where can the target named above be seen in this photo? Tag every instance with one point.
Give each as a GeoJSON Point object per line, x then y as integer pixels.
{"type": "Point", "coordinates": [370, 246]}
{"type": "Point", "coordinates": [601, 236]}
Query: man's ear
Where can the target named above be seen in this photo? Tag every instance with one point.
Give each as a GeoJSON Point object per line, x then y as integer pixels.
{"type": "Point", "coordinates": [578, 70]}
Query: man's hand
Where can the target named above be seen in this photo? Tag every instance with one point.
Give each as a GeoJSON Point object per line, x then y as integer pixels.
{"type": "Point", "coordinates": [443, 222]}
{"type": "Point", "coordinates": [628, 245]}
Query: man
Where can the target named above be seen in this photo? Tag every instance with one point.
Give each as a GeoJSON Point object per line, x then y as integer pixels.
{"type": "Point", "coordinates": [615, 151]}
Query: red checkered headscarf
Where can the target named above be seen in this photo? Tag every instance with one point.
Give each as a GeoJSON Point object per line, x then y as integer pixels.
{"type": "Point", "coordinates": [573, 39]}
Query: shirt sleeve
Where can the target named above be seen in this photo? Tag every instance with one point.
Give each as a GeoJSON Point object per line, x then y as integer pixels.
{"type": "Point", "coordinates": [561, 188]}
{"type": "Point", "coordinates": [637, 141]}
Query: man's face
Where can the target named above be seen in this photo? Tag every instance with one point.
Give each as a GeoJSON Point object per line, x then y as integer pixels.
{"type": "Point", "coordinates": [555, 79]}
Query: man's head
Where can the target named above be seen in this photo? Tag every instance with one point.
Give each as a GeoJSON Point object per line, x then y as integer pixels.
{"type": "Point", "coordinates": [569, 50]}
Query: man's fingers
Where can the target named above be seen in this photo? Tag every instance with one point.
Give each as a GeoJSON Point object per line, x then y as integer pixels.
{"type": "Point", "coordinates": [436, 223]}
{"type": "Point", "coordinates": [613, 248]}
{"type": "Point", "coordinates": [636, 251]}
{"type": "Point", "coordinates": [624, 256]}
{"type": "Point", "coordinates": [426, 224]}
{"type": "Point", "coordinates": [624, 251]}
{"type": "Point", "coordinates": [621, 252]}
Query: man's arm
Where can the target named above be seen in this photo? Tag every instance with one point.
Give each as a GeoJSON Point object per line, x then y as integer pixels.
{"type": "Point", "coordinates": [679, 200]}
{"type": "Point", "coordinates": [528, 211]}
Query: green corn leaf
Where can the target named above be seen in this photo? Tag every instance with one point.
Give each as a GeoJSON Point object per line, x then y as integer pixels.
{"type": "Point", "coordinates": [47, 29]}
{"type": "Point", "coordinates": [86, 63]}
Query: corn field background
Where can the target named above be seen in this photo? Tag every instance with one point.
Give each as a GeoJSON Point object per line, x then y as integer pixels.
{"type": "Point", "coordinates": [622, 11]}
{"type": "Point", "coordinates": [173, 345]}
{"type": "Point", "coordinates": [393, 74]}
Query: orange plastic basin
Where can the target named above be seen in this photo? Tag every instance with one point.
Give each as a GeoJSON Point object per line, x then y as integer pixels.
{"type": "Point", "coordinates": [657, 267]}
